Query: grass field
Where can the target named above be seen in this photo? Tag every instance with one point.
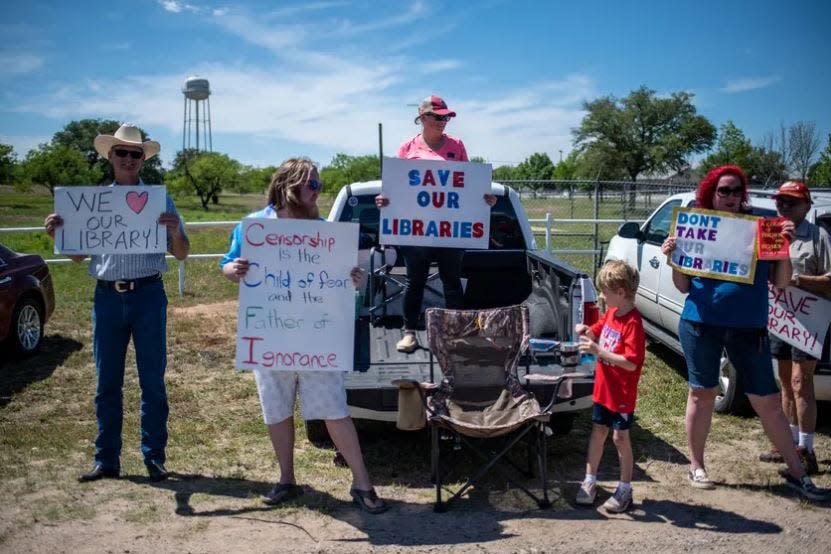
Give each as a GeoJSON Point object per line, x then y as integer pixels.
{"type": "Point", "coordinates": [47, 422]}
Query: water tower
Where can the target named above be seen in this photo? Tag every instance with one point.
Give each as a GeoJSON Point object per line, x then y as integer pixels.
{"type": "Point", "coordinates": [197, 122]}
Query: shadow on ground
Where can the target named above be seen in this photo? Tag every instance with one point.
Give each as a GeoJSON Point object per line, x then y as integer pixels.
{"type": "Point", "coordinates": [17, 373]}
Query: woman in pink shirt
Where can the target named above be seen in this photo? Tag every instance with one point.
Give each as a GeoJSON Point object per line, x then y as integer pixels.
{"type": "Point", "coordinates": [430, 144]}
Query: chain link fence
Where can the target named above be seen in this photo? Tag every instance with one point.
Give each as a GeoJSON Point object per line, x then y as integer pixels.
{"type": "Point", "coordinates": [575, 207]}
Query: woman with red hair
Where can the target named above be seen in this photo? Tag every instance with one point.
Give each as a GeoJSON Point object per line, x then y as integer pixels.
{"type": "Point", "coordinates": [724, 315]}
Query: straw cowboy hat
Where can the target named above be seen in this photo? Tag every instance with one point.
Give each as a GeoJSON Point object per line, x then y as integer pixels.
{"type": "Point", "coordinates": [126, 135]}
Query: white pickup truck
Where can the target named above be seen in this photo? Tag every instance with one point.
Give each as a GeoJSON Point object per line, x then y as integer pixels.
{"type": "Point", "coordinates": [510, 271]}
{"type": "Point", "coordinates": [660, 303]}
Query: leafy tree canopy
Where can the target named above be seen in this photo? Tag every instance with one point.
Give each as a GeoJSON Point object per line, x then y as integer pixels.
{"type": "Point", "coordinates": [643, 133]}
{"type": "Point", "coordinates": [345, 169]}
{"type": "Point", "coordinates": [57, 165]}
{"type": "Point", "coordinates": [204, 174]}
{"type": "Point", "coordinates": [820, 173]}
{"type": "Point", "coordinates": [8, 163]}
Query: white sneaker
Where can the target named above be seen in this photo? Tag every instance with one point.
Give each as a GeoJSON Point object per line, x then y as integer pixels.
{"type": "Point", "coordinates": [700, 480]}
{"type": "Point", "coordinates": [587, 493]}
{"type": "Point", "coordinates": [619, 502]}
{"type": "Point", "coordinates": [407, 344]}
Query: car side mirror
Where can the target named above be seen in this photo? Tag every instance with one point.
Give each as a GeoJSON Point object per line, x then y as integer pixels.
{"type": "Point", "coordinates": [630, 230]}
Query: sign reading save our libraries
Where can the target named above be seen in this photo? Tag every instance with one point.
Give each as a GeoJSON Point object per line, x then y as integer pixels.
{"type": "Point", "coordinates": [116, 219]}
{"type": "Point", "coordinates": [799, 318]}
{"type": "Point", "coordinates": [714, 244]}
{"type": "Point", "coordinates": [435, 203]}
{"type": "Point", "coordinates": [297, 301]}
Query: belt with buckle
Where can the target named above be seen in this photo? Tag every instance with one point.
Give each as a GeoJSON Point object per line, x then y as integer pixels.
{"type": "Point", "coordinates": [128, 285]}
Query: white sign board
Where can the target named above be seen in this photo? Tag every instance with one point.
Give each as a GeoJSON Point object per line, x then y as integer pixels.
{"type": "Point", "coordinates": [714, 244]}
{"type": "Point", "coordinates": [117, 219]}
{"type": "Point", "coordinates": [297, 301]}
{"type": "Point", "coordinates": [799, 318]}
{"type": "Point", "coordinates": [435, 203]}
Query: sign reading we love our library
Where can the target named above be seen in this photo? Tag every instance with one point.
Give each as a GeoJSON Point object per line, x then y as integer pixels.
{"type": "Point", "coordinates": [714, 244]}
{"type": "Point", "coordinates": [435, 203]}
{"type": "Point", "coordinates": [297, 301]}
{"type": "Point", "coordinates": [115, 219]}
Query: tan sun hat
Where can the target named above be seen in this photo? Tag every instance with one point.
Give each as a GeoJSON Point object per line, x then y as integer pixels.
{"type": "Point", "coordinates": [126, 135]}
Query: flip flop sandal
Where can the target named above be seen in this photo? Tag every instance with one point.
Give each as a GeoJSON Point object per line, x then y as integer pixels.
{"type": "Point", "coordinates": [282, 493]}
{"type": "Point", "coordinates": [362, 499]}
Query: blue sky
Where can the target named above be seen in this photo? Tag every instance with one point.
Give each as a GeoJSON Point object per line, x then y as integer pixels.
{"type": "Point", "coordinates": [316, 77]}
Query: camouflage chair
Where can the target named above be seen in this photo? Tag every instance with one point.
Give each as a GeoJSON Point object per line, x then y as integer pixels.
{"type": "Point", "coordinates": [480, 395]}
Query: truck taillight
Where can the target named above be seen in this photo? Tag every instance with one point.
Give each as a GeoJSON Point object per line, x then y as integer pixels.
{"type": "Point", "coordinates": [591, 313]}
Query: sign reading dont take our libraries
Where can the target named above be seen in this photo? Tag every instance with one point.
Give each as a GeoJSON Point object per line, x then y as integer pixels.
{"type": "Point", "coordinates": [714, 244]}
{"type": "Point", "coordinates": [435, 203]}
{"type": "Point", "coordinates": [297, 301]}
{"type": "Point", "coordinates": [116, 219]}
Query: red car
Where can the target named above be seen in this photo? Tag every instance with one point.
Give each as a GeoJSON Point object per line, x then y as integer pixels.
{"type": "Point", "coordinates": [27, 299]}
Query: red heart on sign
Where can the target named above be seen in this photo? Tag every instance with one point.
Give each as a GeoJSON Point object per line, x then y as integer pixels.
{"type": "Point", "coordinates": [136, 200]}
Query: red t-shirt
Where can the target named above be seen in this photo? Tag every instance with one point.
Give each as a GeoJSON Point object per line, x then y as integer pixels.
{"type": "Point", "coordinates": [614, 387]}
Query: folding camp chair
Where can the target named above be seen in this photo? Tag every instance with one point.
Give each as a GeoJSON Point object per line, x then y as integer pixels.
{"type": "Point", "coordinates": [480, 395]}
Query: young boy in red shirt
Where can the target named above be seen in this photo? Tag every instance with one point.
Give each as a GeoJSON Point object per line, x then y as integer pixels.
{"type": "Point", "coordinates": [620, 351]}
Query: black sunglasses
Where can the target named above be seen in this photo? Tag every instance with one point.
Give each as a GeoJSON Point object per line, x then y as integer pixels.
{"type": "Point", "coordinates": [438, 117]}
{"type": "Point", "coordinates": [787, 202]}
{"type": "Point", "coordinates": [724, 192]}
{"type": "Point", "coordinates": [135, 154]}
{"type": "Point", "coordinates": [314, 185]}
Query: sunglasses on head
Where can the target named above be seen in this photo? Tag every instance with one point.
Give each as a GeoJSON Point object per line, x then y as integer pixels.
{"type": "Point", "coordinates": [121, 153]}
{"type": "Point", "coordinates": [724, 192]}
{"type": "Point", "coordinates": [438, 117]}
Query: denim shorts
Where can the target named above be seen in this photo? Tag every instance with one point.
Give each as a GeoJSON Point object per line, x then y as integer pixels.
{"type": "Point", "coordinates": [601, 415]}
{"type": "Point", "coordinates": [782, 350]}
{"type": "Point", "coordinates": [747, 348]}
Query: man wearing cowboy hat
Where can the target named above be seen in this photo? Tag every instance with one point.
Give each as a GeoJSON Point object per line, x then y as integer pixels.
{"type": "Point", "coordinates": [810, 252]}
{"type": "Point", "coordinates": [130, 301]}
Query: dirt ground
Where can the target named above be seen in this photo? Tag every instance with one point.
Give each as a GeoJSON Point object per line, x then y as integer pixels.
{"type": "Point", "coordinates": [203, 513]}
{"type": "Point", "coordinates": [668, 517]}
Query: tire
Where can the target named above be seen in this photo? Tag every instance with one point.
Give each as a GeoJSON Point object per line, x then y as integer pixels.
{"type": "Point", "coordinates": [731, 398]}
{"type": "Point", "coordinates": [561, 424]}
{"type": "Point", "coordinates": [317, 434]}
{"type": "Point", "coordinates": [26, 331]}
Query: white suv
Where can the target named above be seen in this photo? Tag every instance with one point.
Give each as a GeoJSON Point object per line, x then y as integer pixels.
{"type": "Point", "coordinates": [660, 303]}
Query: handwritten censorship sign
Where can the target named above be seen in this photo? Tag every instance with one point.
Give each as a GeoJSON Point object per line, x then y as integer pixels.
{"type": "Point", "coordinates": [799, 318]}
{"type": "Point", "coordinates": [435, 203]}
{"type": "Point", "coordinates": [115, 219]}
{"type": "Point", "coordinates": [714, 244]}
{"type": "Point", "coordinates": [772, 244]}
{"type": "Point", "coordinates": [297, 301]}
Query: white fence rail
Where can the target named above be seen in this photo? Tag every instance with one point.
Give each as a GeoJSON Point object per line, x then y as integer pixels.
{"type": "Point", "coordinates": [549, 223]}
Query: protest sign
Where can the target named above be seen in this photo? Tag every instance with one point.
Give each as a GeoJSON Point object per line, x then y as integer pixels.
{"type": "Point", "coordinates": [435, 203]}
{"type": "Point", "coordinates": [714, 244]}
{"type": "Point", "coordinates": [116, 219]}
{"type": "Point", "coordinates": [799, 318]}
{"type": "Point", "coordinates": [297, 301]}
{"type": "Point", "coordinates": [772, 244]}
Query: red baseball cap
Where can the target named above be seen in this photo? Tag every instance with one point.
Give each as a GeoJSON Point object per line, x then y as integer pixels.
{"type": "Point", "coordinates": [435, 104]}
{"type": "Point", "coordinates": [795, 189]}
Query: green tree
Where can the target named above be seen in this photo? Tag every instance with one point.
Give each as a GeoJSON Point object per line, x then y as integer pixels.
{"type": "Point", "coordinates": [203, 174]}
{"type": "Point", "coordinates": [643, 133]}
{"type": "Point", "coordinates": [57, 165]}
{"type": "Point", "coordinates": [344, 170]}
{"type": "Point", "coordinates": [504, 173]}
{"type": "Point", "coordinates": [256, 179]}
{"type": "Point", "coordinates": [8, 163]}
{"type": "Point", "coordinates": [762, 164]}
{"type": "Point", "coordinates": [567, 169]}
{"type": "Point", "coordinates": [536, 167]}
{"type": "Point", "coordinates": [820, 173]}
{"type": "Point", "coordinates": [81, 134]}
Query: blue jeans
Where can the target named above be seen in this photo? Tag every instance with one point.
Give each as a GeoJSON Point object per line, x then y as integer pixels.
{"type": "Point", "coordinates": [142, 315]}
{"type": "Point", "coordinates": [747, 348]}
{"type": "Point", "coordinates": [418, 266]}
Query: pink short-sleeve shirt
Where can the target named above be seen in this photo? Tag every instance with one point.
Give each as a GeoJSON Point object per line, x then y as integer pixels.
{"type": "Point", "coordinates": [415, 148]}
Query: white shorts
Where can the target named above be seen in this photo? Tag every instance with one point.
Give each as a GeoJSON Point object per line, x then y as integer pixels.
{"type": "Point", "coordinates": [322, 394]}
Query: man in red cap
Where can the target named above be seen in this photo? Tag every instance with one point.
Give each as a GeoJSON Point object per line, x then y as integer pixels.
{"type": "Point", "coordinates": [810, 252]}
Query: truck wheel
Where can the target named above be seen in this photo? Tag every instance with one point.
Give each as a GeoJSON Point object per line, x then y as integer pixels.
{"type": "Point", "coordinates": [561, 424]}
{"type": "Point", "coordinates": [26, 330]}
{"type": "Point", "coordinates": [730, 398]}
{"type": "Point", "coordinates": [317, 434]}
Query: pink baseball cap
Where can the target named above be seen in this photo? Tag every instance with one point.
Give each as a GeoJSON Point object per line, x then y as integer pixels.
{"type": "Point", "coordinates": [435, 104]}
